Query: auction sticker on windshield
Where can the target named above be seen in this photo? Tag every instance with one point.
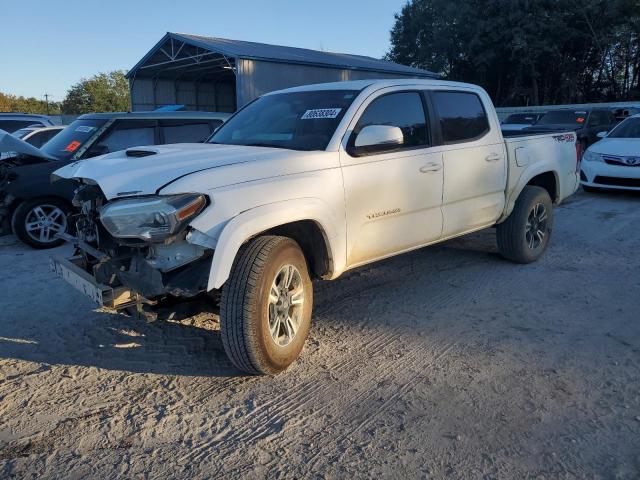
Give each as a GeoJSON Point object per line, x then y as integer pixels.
{"type": "Point", "coordinates": [85, 128]}
{"type": "Point", "coordinates": [73, 146]}
{"type": "Point", "coordinates": [321, 113]}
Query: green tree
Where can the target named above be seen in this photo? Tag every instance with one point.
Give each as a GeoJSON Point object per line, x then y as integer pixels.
{"type": "Point", "coordinates": [14, 103]}
{"type": "Point", "coordinates": [104, 92]}
{"type": "Point", "coordinates": [526, 51]}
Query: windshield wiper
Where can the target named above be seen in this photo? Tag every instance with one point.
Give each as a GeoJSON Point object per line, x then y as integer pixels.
{"type": "Point", "coordinates": [270, 145]}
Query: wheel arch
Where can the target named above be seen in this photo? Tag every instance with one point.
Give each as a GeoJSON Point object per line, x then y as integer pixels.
{"type": "Point", "coordinates": [540, 176]}
{"type": "Point", "coordinates": [307, 221]}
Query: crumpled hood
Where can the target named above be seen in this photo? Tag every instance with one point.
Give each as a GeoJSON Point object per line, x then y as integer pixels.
{"type": "Point", "coordinates": [9, 143]}
{"type": "Point", "coordinates": [625, 147]}
{"type": "Point", "coordinates": [120, 174]}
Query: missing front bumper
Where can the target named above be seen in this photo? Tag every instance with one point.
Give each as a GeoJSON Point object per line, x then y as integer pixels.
{"type": "Point", "coordinates": [72, 270]}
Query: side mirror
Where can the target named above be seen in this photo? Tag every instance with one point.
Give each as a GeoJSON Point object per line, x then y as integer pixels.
{"type": "Point", "coordinates": [378, 138]}
{"type": "Point", "coordinates": [601, 134]}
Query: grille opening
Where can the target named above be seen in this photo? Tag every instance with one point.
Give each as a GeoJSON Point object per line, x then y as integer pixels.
{"type": "Point", "coordinates": [618, 182]}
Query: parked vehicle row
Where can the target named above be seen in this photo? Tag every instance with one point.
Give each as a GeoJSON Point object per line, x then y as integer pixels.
{"type": "Point", "coordinates": [10, 122]}
{"type": "Point", "coordinates": [37, 136]}
{"type": "Point", "coordinates": [36, 210]}
{"type": "Point", "coordinates": [307, 183]}
{"type": "Point", "coordinates": [614, 161]}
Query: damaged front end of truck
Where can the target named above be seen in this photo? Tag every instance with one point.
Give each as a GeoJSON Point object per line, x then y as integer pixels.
{"type": "Point", "coordinates": [136, 253]}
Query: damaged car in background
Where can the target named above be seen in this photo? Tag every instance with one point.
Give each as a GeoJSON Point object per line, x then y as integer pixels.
{"type": "Point", "coordinates": [36, 210]}
{"type": "Point", "coordinates": [303, 184]}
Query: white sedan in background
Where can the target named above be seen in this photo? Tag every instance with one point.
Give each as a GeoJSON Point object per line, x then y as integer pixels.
{"type": "Point", "coordinates": [614, 161]}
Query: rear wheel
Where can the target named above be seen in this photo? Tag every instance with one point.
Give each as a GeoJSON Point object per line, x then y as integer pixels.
{"type": "Point", "coordinates": [524, 235]}
{"type": "Point", "coordinates": [265, 307]}
{"type": "Point", "coordinates": [37, 221]}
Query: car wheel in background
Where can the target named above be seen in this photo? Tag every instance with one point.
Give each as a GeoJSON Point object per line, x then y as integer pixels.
{"type": "Point", "coordinates": [524, 235]}
{"type": "Point", "coordinates": [265, 307]}
{"type": "Point", "coordinates": [37, 221]}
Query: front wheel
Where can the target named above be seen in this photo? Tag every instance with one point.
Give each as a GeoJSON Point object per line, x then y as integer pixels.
{"type": "Point", "coordinates": [265, 307]}
{"type": "Point", "coordinates": [37, 221]}
{"type": "Point", "coordinates": [524, 235]}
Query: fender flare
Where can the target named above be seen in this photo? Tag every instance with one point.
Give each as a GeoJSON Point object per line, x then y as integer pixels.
{"type": "Point", "coordinates": [529, 173]}
{"type": "Point", "coordinates": [256, 220]}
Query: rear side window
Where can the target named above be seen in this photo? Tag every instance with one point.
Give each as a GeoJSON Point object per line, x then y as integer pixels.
{"type": "Point", "coordinates": [462, 116]}
{"type": "Point", "coordinates": [185, 131]}
{"type": "Point", "coordinates": [403, 110]}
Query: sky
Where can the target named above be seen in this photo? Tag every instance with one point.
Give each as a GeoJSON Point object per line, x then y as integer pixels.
{"type": "Point", "coordinates": [47, 46]}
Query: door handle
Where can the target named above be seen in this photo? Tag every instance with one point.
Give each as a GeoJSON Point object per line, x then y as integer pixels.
{"type": "Point", "coordinates": [492, 157]}
{"type": "Point", "coordinates": [431, 167]}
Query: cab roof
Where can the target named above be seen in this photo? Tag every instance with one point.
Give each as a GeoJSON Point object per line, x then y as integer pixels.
{"type": "Point", "coordinates": [358, 85]}
{"type": "Point", "coordinates": [154, 115]}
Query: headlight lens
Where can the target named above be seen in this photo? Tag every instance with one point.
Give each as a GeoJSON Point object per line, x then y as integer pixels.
{"type": "Point", "coordinates": [151, 218]}
{"type": "Point", "coordinates": [590, 156]}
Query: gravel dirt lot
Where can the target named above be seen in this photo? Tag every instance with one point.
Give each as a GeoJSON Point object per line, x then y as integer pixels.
{"type": "Point", "coordinates": [444, 362]}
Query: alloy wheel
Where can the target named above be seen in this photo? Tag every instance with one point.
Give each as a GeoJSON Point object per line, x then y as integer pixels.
{"type": "Point", "coordinates": [286, 301]}
{"type": "Point", "coordinates": [43, 222]}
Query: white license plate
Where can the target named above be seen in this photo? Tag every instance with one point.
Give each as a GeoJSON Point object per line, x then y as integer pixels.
{"type": "Point", "coordinates": [81, 280]}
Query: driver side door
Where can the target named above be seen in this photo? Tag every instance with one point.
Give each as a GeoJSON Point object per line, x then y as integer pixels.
{"type": "Point", "coordinates": [393, 198]}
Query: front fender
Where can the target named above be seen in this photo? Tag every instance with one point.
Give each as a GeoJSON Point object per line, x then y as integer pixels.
{"type": "Point", "coordinates": [257, 220]}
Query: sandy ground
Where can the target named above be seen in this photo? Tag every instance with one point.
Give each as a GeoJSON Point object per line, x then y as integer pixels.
{"type": "Point", "coordinates": [445, 362]}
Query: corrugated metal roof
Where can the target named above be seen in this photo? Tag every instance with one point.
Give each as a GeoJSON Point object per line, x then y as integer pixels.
{"type": "Point", "coordinates": [278, 53]}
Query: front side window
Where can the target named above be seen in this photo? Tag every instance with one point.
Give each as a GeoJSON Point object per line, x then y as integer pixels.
{"type": "Point", "coordinates": [185, 131]}
{"type": "Point", "coordinates": [462, 116]}
{"type": "Point", "coordinates": [295, 120]}
{"type": "Point", "coordinates": [126, 134]}
{"type": "Point", "coordinates": [598, 118]}
{"type": "Point", "coordinates": [403, 110]}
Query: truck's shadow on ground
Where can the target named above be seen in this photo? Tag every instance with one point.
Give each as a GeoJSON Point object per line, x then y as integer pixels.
{"type": "Point", "coordinates": [194, 347]}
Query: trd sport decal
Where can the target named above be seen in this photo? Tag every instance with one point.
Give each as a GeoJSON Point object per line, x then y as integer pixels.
{"type": "Point", "coordinates": [566, 137]}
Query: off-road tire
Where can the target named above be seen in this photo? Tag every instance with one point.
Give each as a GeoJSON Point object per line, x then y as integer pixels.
{"type": "Point", "coordinates": [18, 220]}
{"type": "Point", "coordinates": [511, 234]}
{"type": "Point", "coordinates": [244, 306]}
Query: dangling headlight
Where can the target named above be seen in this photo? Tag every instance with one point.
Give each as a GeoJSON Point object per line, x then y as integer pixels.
{"type": "Point", "coordinates": [151, 218]}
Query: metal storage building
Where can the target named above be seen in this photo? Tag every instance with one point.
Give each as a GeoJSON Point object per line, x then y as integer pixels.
{"type": "Point", "coordinates": [216, 74]}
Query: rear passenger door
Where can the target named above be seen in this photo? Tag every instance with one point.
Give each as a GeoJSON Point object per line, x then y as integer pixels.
{"type": "Point", "coordinates": [187, 131]}
{"type": "Point", "coordinates": [474, 160]}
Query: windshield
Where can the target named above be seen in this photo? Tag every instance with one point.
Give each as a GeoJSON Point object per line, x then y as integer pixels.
{"type": "Point", "coordinates": [521, 119]}
{"type": "Point", "coordinates": [630, 128]}
{"type": "Point", "coordinates": [295, 120]}
{"type": "Point", "coordinates": [69, 140]}
{"type": "Point", "coordinates": [563, 117]}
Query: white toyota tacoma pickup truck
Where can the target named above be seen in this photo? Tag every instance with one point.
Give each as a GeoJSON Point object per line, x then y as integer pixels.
{"type": "Point", "coordinates": [301, 184]}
